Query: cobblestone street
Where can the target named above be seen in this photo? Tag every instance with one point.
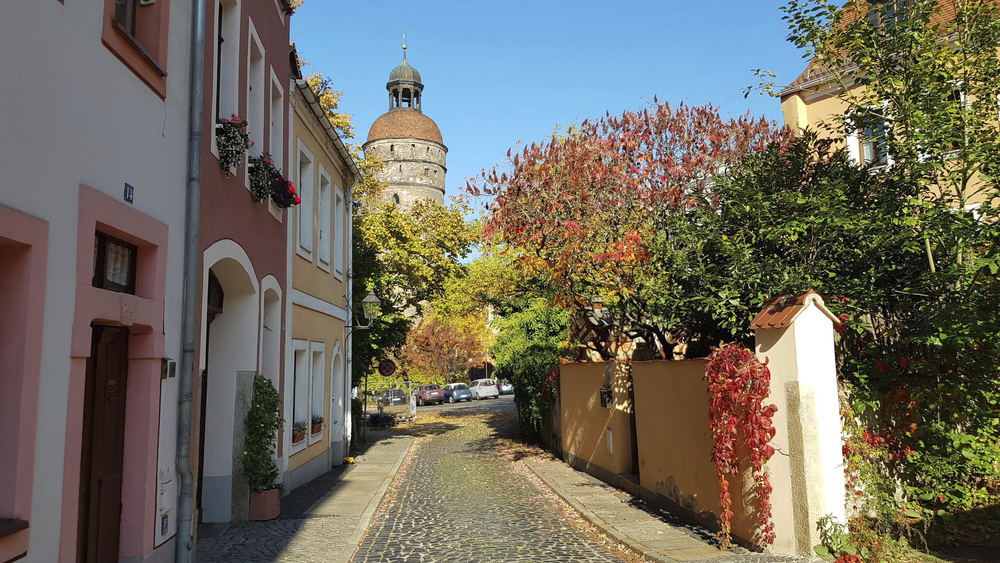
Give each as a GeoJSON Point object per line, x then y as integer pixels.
{"type": "Point", "coordinates": [460, 501]}
{"type": "Point", "coordinates": [465, 491]}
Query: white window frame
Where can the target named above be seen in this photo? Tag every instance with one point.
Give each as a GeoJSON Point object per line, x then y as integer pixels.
{"type": "Point", "coordinates": [853, 140]}
{"type": "Point", "coordinates": [277, 126]}
{"type": "Point", "coordinates": [281, 13]}
{"type": "Point", "coordinates": [324, 231]}
{"type": "Point", "coordinates": [230, 72]}
{"type": "Point", "coordinates": [306, 188]}
{"type": "Point", "coordinates": [339, 232]}
{"type": "Point", "coordinates": [256, 115]}
{"type": "Point", "coordinates": [299, 346]}
{"type": "Point", "coordinates": [316, 349]}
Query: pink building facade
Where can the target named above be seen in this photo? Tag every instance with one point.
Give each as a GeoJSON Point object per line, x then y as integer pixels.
{"type": "Point", "coordinates": [91, 225]}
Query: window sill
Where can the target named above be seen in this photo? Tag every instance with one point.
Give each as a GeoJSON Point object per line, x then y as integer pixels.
{"type": "Point", "coordinates": [11, 526]}
{"type": "Point", "coordinates": [145, 66]}
{"type": "Point", "coordinates": [145, 54]}
{"type": "Point", "coordinates": [303, 253]}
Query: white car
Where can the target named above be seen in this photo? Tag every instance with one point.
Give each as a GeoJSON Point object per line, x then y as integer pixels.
{"type": "Point", "coordinates": [484, 389]}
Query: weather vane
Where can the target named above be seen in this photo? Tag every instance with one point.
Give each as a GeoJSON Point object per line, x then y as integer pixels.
{"type": "Point", "coordinates": [404, 42]}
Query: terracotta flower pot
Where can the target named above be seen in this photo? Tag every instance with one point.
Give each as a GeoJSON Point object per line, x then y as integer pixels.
{"type": "Point", "coordinates": [317, 427]}
{"type": "Point", "coordinates": [298, 436]}
{"type": "Point", "coordinates": [265, 505]}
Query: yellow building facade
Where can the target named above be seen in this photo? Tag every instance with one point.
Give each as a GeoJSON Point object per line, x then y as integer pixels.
{"type": "Point", "coordinates": [318, 385]}
{"type": "Point", "coordinates": [817, 101]}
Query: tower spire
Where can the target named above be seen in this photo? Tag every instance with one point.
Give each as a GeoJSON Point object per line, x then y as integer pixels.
{"type": "Point", "coordinates": [404, 42]}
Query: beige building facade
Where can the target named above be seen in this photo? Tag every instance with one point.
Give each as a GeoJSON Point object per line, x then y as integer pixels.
{"type": "Point", "coordinates": [318, 381]}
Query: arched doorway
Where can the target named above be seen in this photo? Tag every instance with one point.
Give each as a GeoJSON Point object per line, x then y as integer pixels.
{"type": "Point", "coordinates": [338, 400]}
{"type": "Point", "coordinates": [229, 361]}
{"type": "Point", "coordinates": [270, 340]}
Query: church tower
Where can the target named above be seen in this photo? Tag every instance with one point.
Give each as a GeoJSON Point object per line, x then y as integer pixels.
{"type": "Point", "coordinates": [408, 141]}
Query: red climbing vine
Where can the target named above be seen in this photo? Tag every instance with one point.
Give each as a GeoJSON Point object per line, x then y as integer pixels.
{"type": "Point", "coordinates": [739, 383]}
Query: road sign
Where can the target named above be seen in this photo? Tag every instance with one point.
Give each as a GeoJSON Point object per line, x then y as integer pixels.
{"type": "Point", "coordinates": [387, 368]}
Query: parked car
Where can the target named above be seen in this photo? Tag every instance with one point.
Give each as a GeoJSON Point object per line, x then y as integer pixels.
{"type": "Point", "coordinates": [430, 393]}
{"type": "Point", "coordinates": [505, 388]}
{"type": "Point", "coordinates": [455, 392]}
{"type": "Point", "coordinates": [392, 400]}
{"type": "Point", "coordinates": [484, 388]}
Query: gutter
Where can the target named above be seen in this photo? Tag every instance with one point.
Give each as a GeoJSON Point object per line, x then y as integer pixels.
{"type": "Point", "coordinates": [813, 82]}
{"type": "Point", "coordinates": [313, 101]}
{"type": "Point", "coordinates": [192, 215]}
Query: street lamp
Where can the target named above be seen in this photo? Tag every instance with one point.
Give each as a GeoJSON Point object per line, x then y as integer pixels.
{"type": "Point", "coordinates": [370, 308]}
{"type": "Point", "coordinates": [595, 313]}
{"type": "Point", "coordinates": [598, 306]}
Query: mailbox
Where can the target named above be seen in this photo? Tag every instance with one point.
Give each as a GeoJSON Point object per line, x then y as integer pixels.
{"type": "Point", "coordinates": [606, 397]}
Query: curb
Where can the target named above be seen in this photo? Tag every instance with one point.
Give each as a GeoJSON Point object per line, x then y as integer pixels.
{"type": "Point", "coordinates": [598, 521]}
{"type": "Point", "coordinates": [365, 520]}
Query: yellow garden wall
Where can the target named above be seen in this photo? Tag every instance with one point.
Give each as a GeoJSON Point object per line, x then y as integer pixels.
{"type": "Point", "coordinates": [675, 443]}
{"type": "Point", "coordinates": [585, 423]}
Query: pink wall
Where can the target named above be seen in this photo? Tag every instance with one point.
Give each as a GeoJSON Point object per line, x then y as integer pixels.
{"type": "Point", "coordinates": [146, 344]}
{"type": "Point", "coordinates": [23, 254]}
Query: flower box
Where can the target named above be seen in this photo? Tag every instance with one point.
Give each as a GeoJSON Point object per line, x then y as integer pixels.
{"type": "Point", "coordinates": [232, 141]}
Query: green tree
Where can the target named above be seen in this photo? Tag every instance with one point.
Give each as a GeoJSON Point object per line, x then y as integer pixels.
{"type": "Point", "coordinates": [403, 255]}
{"type": "Point", "coordinates": [527, 351]}
{"type": "Point", "coordinates": [406, 256]}
{"type": "Point", "coordinates": [441, 349]}
{"type": "Point", "coordinates": [925, 73]}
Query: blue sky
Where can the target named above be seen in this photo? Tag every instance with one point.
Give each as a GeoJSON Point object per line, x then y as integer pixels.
{"type": "Point", "coordinates": [498, 72]}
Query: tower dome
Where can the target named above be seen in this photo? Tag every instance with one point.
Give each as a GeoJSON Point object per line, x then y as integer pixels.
{"type": "Point", "coordinates": [408, 142]}
{"type": "Point", "coordinates": [404, 72]}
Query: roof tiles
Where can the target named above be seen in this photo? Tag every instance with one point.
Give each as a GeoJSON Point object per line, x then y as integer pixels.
{"type": "Point", "coordinates": [780, 311]}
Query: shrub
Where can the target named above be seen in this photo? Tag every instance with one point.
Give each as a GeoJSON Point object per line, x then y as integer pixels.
{"type": "Point", "coordinates": [262, 426]}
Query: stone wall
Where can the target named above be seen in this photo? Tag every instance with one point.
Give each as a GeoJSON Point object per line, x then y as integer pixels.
{"type": "Point", "coordinates": [414, 168]}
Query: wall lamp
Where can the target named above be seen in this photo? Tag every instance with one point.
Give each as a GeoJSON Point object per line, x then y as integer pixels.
{"type": "Point", "coordinates": [595, 313]}
{"type": "Point", "coordinates": [370, 307]}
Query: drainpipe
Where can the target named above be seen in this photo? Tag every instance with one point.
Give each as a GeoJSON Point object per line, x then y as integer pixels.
{"type": "Point", "coordinates": [348, 340]}
{"type": "Point", "coordinates": [196, 102]}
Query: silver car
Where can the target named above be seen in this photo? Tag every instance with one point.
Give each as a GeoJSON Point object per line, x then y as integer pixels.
{"type": "Point", "coordinates": [484, 389]}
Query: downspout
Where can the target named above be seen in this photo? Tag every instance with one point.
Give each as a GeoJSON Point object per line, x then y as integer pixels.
{"type": "Point", "coordinates": [189, 312]}
{"type": "Point", "coordinates": [348, 340]}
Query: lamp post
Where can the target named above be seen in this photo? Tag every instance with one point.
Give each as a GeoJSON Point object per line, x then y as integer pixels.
{"type": "Point", "coordinates": [595, 313]}
{"type": "Point", "coordinates": [370, 306]}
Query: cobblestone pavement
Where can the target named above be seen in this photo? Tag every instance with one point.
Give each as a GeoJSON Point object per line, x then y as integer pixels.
{"type": "Point", "coordinates": [466, 492]}
{"type": "Point", "coordinates": [321, 521]}
{"type": "Point", "coordinates": [460, 501]}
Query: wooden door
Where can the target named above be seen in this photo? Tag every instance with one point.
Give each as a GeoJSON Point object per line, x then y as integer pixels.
{"type": "Point", "coordinates": [103, 452]}
{"type": "Point", "coordinates": [216, 300]}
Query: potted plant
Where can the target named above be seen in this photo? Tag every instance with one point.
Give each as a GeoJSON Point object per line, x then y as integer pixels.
{"type": "Point", "coordinates": [283, 193]}
{"type": "Point", "coordinates": [263, 175]}
{"type": "Point", "coordinates": [262, 426]}
{"type": "Point", "coordinates": [317, 423]}
{"type": "Point", "coordinates": [233, 142]}
{"type": "Point", "coordinates": [289, 6]}
{"type": "Point", "coordinates": [298, 432]}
